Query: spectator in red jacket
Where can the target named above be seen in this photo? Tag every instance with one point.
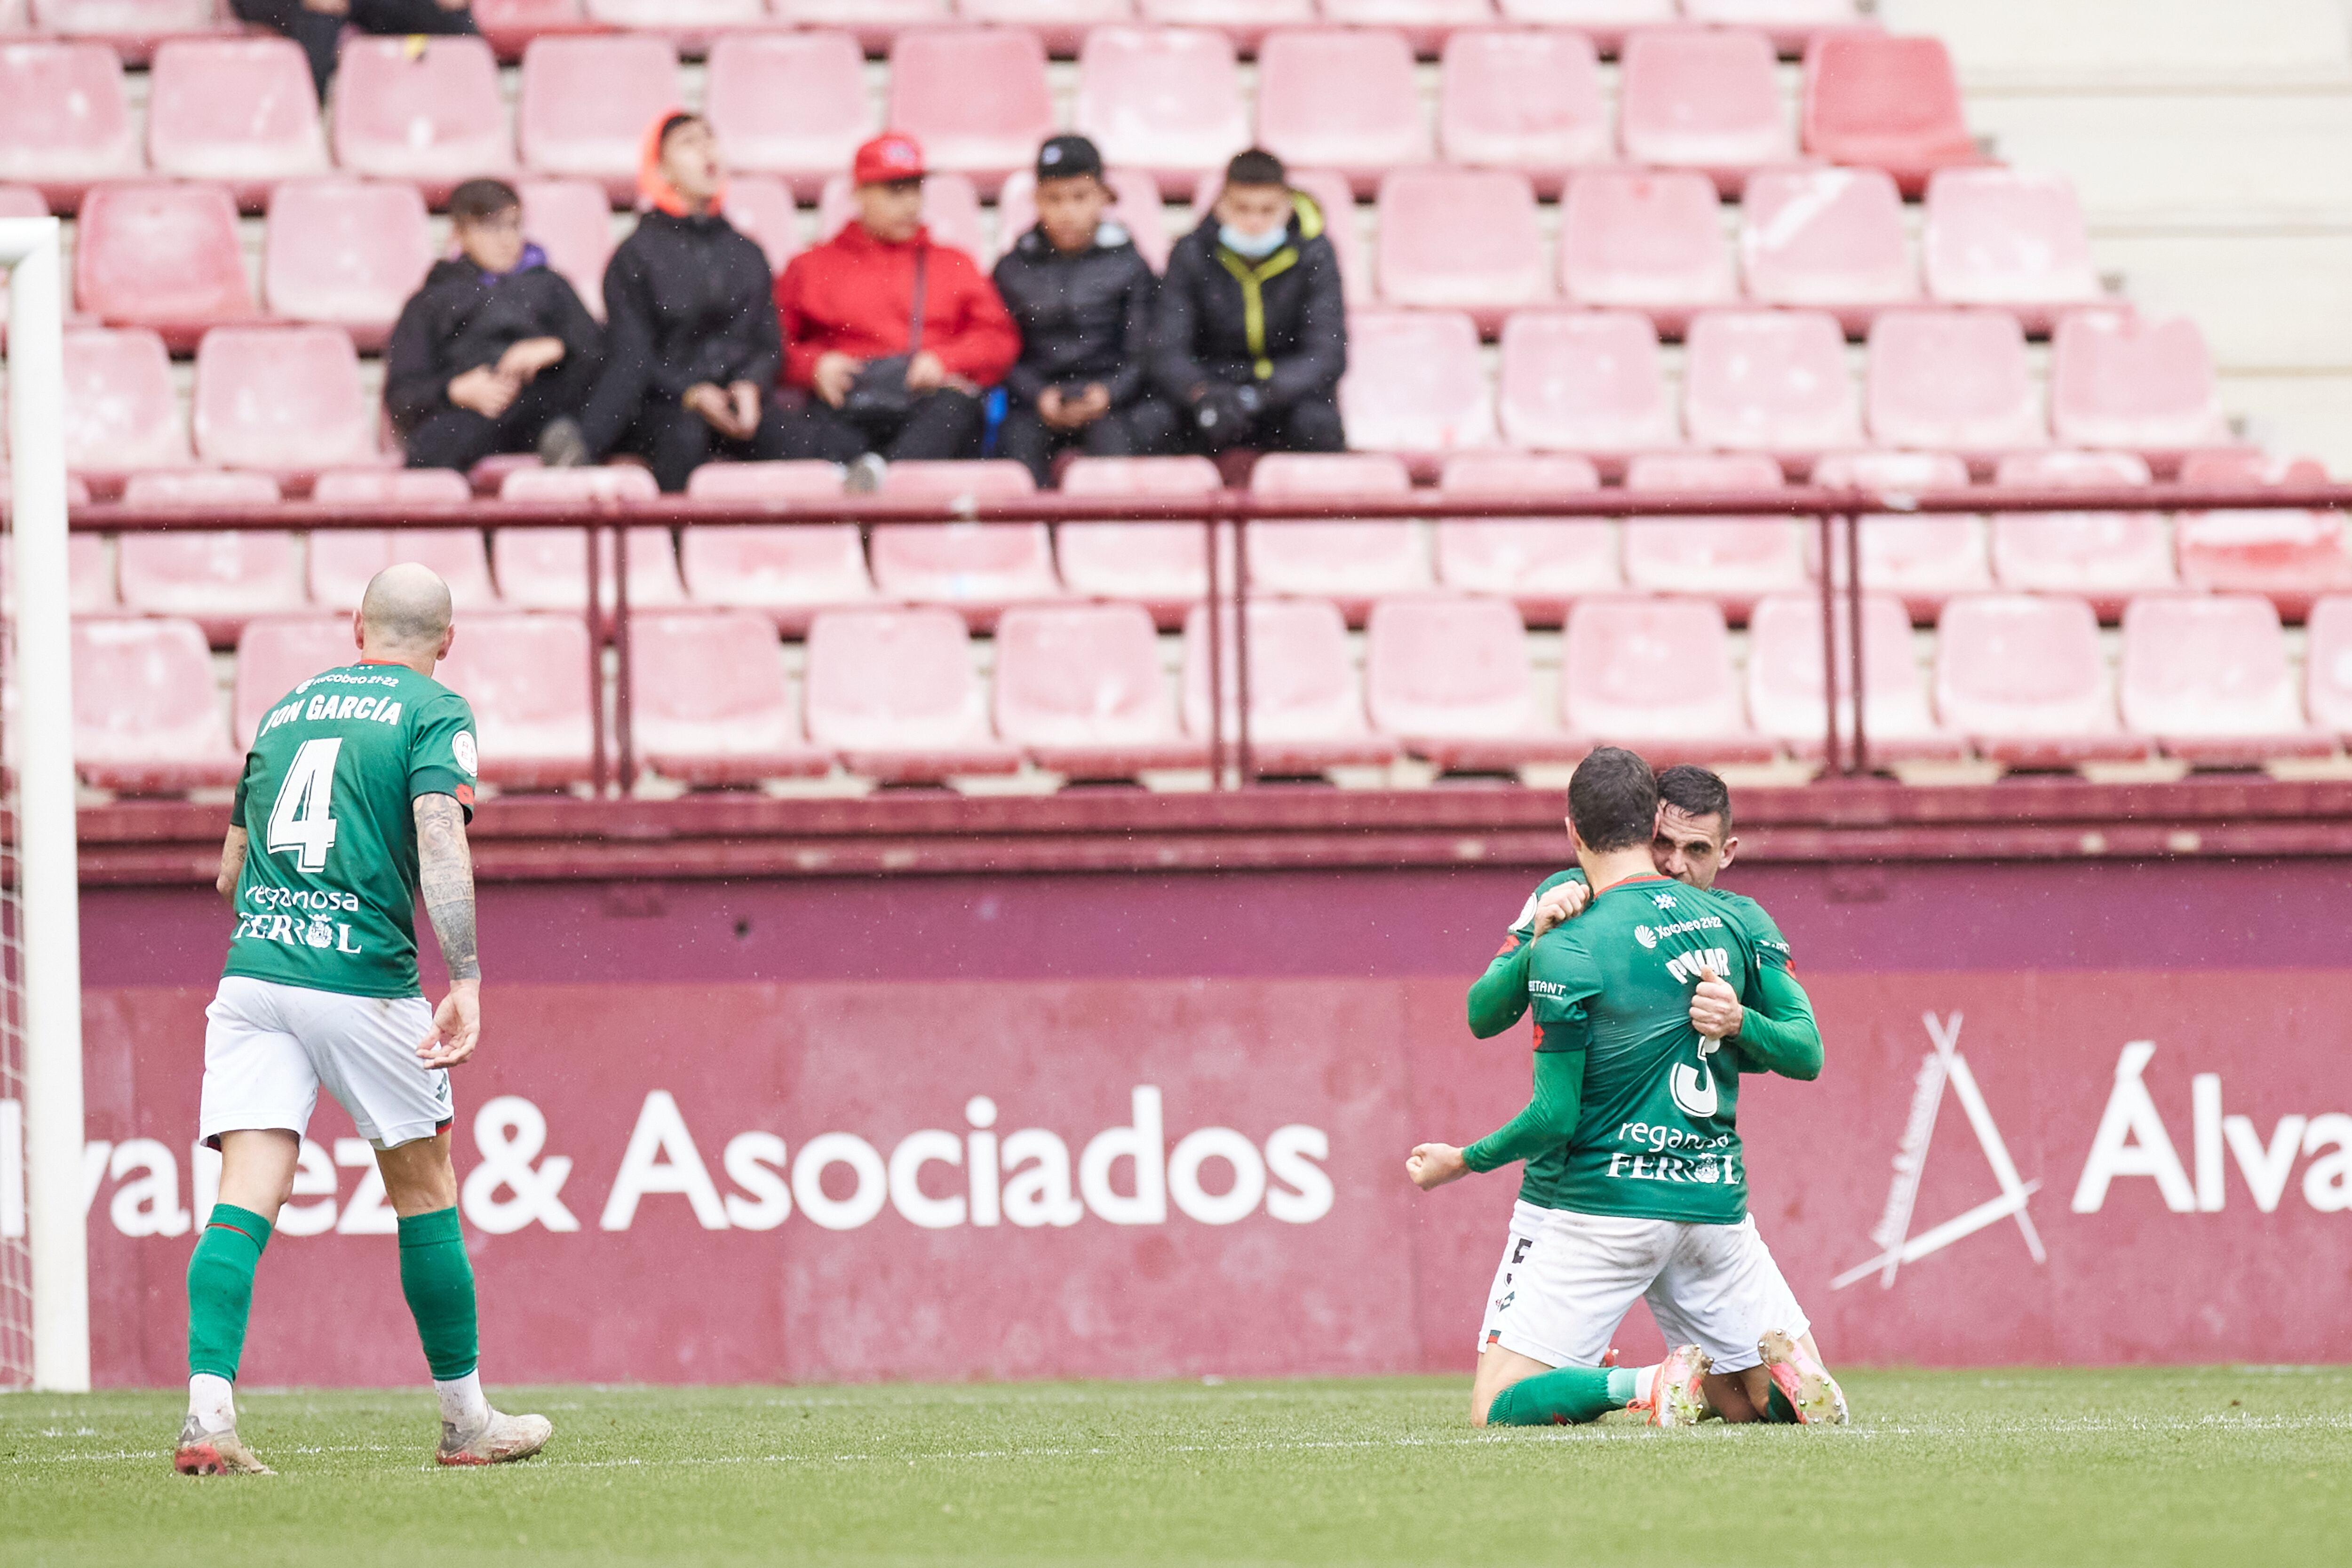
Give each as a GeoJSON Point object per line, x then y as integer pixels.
{"type": "Point", "coordinates": [847, 310]}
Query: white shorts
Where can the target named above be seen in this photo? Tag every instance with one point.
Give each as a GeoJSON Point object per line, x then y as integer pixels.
{"type": "Point", "coordinates": [269, 1047]}
{"type": "Point", "coordinates": [1567, 1280]}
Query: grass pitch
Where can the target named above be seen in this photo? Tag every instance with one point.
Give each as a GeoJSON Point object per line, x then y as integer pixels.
{"type": "Point", "coordinates": [2076, 1467]}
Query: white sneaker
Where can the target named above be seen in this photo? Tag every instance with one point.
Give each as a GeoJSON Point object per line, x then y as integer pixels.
{"type": "Point", "coordinates": [1803, 1382]}
{"type": "Point", "coordinates": [864, 476]}
{"type": "Point", "coordinates": [502, 1438]}
{"type": "Point", "coordinates": [1675, 1397]}
{"type": "Point", "coordinates": [203, 1453]}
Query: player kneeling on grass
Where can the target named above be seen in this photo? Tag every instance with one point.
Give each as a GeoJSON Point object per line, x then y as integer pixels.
{"type": "Point", "coordinates": [1635, 1184]}
{"type": "Point", "coordinates": [355, 794]}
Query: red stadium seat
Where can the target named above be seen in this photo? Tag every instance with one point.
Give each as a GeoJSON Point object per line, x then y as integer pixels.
{"type": "Point", "coordinates": [1590, 380]}
{"type": "Point", "coordinates": [877, 24]}
{"type": "Point", "coordinates": [89, 574]}
{"type": "Point", "coordinates": [1953, 381]}
{"type": "Point", "coordinates": [763, 208]}
{"type": "Point", "coordinates": [147, 719]}
{"type": "Point", "coordinates": [2145, 386]}
{"type": "Point", "coordinates": [975, 99]}
{"type": "Point", "coordinates": [219, 580]}
{"type": "Point", "coordinates": [429, 110]}
{"type": "Point", "coordinates": [585, 105]}
{"type": "Point", "coordinates": [979, 568]}
{"type": "Point", "coordinates": [1649, 242]}
{"type": "Point", "coordinates": [2105, 556]}
{"type": "Point", "coordinates": [1330, 98]}
{"type": "Point", "coordinates": [1425, 24]}
{"type": "Point", "coordinates": [1735, 561]}
{"type": "Point", "coordinates": [1449, 676]}
{"type": "Point", "coordinates": [1606, 22]}
{"type": "Point", "coordinates": [2293, 557]}
{"type": "Point", "coordinates": [2208, 677]}
{"type": "Point", "coordinates": [689, 23]}
{"type": "Point", "coordinates": [1166, 101]}
{"type": "Point", "coordinates": [342, 560]}
{"type": "Point", "coordinates": [1830, 240]}
{"type": "Point", "coordinates": [344, 253]}
{"type": "Point", "coordinates": [1246, 22]}
{"type": "Point", "coordinates": [788, 104]}
{"type": "Point", "coordinates": [2023, 677]}
{"type": "Point", "coordinates": [166, 257]}
{"type": "Point", "coordinates": [2327, 665]}
{"type": "Point", "coordinates": [239, 111]}
{"type": "Point", "coordinates": [283, 400]}
{"type": "Point", "coordinates": [1791, 25]}
{"type": "Point", "coordinates": [1886, 103]}
{"type": "Point", "coordinates": [1080, 688]}
{"type": "Point", "coordinates": [1785, 681]}
{"type": "Point", "coordinates": [1461, 240]}
{"type": "Point", "coordinates": [1540, 564]}
{"type": "Point", "coordinates": [1335, 201]}
{"type": "Point", "coordinates": [1655, 675]}
{"type": "Point", "coordinates": [572, 221]}
{"type": "Point", "coordinates": [1924, 559]}
{"type": "Point", "coordinates": [950, 210]}
{"type": "Point", "coordinates": [1527, 101]}
{"type": "Point", "coordinates": [1135, 206]}
{"type": "Point", "coordinates": [894, 693]}
{"type": "Point", "coordinates": [1770, 381]}
{"type": "Point", "coordinates": [1415, 384]}
{"type": "Point", "coordinates": [526, 678]}
{"type": "Point", "coordinates": [1700, 99]}
{"type": "Point", "coordinates": [1162, 566]}
{"type": "Point", "coordinates": [787, 573]}
{"type": "Point", "coordinates": [547, 568]}
{"type": "Point", "coordinates": [709, 704]}
{"type": "Point", "coordinates": [132, 27]}
{"type": "Point", "coordinates": [1063, 25]}
{"type": "Point", "coordinates": [200, 487]}
{"type": "Point", "coordinates": [1350, 562]}
{"type": "Point", "coordinates": [1997, 236]}
{"type": "Point", "coordinates": [65, 120]}
{"type": "Point", "coordinates": [1307, 712]}
{"type": "Point", "coordinates": [120, 413]}
{"type": "Point", "coordinates": [511, 24]}
{"type": "Point", "coordinates": [276, 656]}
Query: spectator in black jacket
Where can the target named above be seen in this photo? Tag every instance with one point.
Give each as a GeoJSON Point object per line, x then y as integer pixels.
{"type": "Point", "coordinates": [1252, 333]}
{"type": "Point", "coordinates": [318, 25]}
{"type": "Point", "coordinates": [495, 353]}
{"type": "Point", "coordinates": [1082, 297]}
{"type": "Point", "coordinates": [691, 349]}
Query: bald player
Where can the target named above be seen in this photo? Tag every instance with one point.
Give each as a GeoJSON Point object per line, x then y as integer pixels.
{"type": "Point", "coordinates": [354, 798]}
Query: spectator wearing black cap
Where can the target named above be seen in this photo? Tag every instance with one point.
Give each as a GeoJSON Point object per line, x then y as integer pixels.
{"type": "Point", "coordinates": [318, 25]}
{"type": "Point", "coordinates": [1251, 334]}
{"type": "Point", "coordinates": [1082, 297]}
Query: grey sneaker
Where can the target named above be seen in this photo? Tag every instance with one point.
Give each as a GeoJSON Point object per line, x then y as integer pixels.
{"type": "Point", "coordinates": [203, 1453]}
{"type": "Point", "coordinates": [501, 1439]}
{"type": "Point", "coordinates": [864, 476]}
{"type": "Point", "coordinates": [562, 444]}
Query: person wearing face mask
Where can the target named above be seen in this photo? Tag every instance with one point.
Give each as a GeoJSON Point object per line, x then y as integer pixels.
{"type": "Point", "coordinates": [690, 343]}
{"type": "Point", "coordinates": [1250, 336]}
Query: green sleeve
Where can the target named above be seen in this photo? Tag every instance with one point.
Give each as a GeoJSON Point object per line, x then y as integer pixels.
{"type": "Point", "coordinates": [1548, 1121]}
{"type": "Point", "coordinates": [1498, 998]}
{"type": "Point", "coordinates": [442, 758]}
{"type": "Point", "coordinates": [1781, 1036]}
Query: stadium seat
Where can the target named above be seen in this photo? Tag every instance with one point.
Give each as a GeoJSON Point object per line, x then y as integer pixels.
{"type": "Point", "coordinates": [1770, 381]}
{"type": "Point", "coordinates": [1702, 98]}
{"type": "Point", "coordinates": [1246, 22]}
{"type": "Point", "coordinates": [1997, 236]}
{"type": "Point", "coordinates": [277, 655]}
{"type": "Point", "coordinates": [1061, 25]}
{"type": "Point", "coordinates": [572, 221]}
{"type": "Point", "coordinates": [1539, 563]}
{"type": "Point", "coordinates": [2105, 556]}
{"type": "Point", "coordinates": [120, 413]}
{"type": "Point", "coordinates": [1336, 200]}
{"type": "Point", "coordinates": [1649, 242]}
{"type": "Point", "coordinates": [950, 211]}
{"type": "Point", "coordinates": [344, 253]}
{"type": "Point", "coordinates": [2124, 381]}
{"type": "Point", "coordinates": [159, 256]}
{"type": "Point", "coordinates": [763, 208]}
{"type": "Point", "coordinates": [527, 679]}
{"type": "Point", "coordinates": [1449, 676]}
{"type": "Point", "coordinates": [1415, 384]}
{"type": "Point", "coordinates": [1165, 101]}
{"type": "Point", "coordinates": [1352, 563]}
{"type": "Point", "coordinates": [283, 400]}
{"type": "Point", "coordinates": [1924, 559]}
{"type": "Point", "coordinates": [239, 111]}
{"type": "Point", "coordinates": [1461, 240]}
{"type": "Point", "coordinates": [547, 568]}
{"type": "Point", "coordinates": [1828, 240]}
{"type": "Point", "coordinates": [2024, 678]}
{"type": "Point", "coordinates": [90, 573]}
{"type": "Point", "coordinates": [147, 719]}
{"type": "Point", "coordinates": [219, 580]}
{"type": "Point", "coordinates": [585, 104]}
{"type": "Point", "coordinates": [65, 120]}
{"type": "Point", "coordinates": [1791, 25]}
{"type": "Point", "coordinates": [2327, 665]}
{"type": "Point", "coordinates": [894, 693]}
{"type": "Point", "coordinates": [1590, 382]}
{"type": "Point", "coordinates": [876, 24]}
{"type": "Point", "coordinates": [1786, 681]}
{"type": "Point", "coordinates": [200, 487]}
{"type": "Point", "coordinates": [2293, 557]}
{"type": "Point", "coordinates": [978, 568]}
{"type": "Point", "coordinates": [788, 104]}
{"type": "Point", "coordinates": [691, 24]}
{"type": "Point", "coordinates": [1528, 101]}
{"type": "Point", "coordinates": [1655, 675]}
{"type": "Point", "coordinates": [132, 26]}
{"type": "Point", "coordinates": [708, 702]}
{"type": "Point", "coordinates": [342, 560]}
{"type": "Point", "coordinates": [1426, 25]}
{"type": "Point", "coordinates": [1953, 381]}
{"type": "Point", "coordinates": [1136, 206]}
{"type": "Point", "coordinates": [1079, 688]}
{"type": "Point", "coordinates": [1162, 567]}
{"type": "Point", "coordinates": [1606, 22]}
{"type": "Point", "coordinates": [429, 110]}
{"type": "Point", "coordinates": [975, 98]}
{"type": "Point", "coordinates": [511, 24]}
{"type": "Point", "coordinates": [786, 572]}
{"type": "Point", "coordinates": [2208, 677]}
{"type": "Point", "coordinates": [1884, 102]}
{"type": "Point", "coordinates": [1307, 712]}
{"type": "Point", "coordinates": [1331, 98]}
{"type": "Point", "coordinates": [1734, 560]}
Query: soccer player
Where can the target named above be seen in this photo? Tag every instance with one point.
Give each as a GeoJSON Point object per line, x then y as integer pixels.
{"type": "Point", "coordinates": [1635, 1184]}
{"type": "Point", "coordinates": [354, 797]}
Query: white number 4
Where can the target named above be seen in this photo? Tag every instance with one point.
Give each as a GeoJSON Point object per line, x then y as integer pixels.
{"type": "Point", "coordinates": [302, 820]}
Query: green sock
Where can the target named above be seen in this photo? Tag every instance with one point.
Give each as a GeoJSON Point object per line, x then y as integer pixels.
{"type": "Point", "coordinates": [220, 1289]}
{"type": "Point", "coordinates": [439, 1284]}
{"type": "Point", "coordinates": [1776, 1407]}
{"type": "Point", "coordinates": [1564, 1397]}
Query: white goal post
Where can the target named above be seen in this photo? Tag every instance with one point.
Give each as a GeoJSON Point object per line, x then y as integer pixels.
{"type": "Point", "coordinates": [47, 869]}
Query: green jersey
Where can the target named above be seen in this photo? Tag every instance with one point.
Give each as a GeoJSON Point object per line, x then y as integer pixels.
{"type": "Point", "coordinates": [328, 899]}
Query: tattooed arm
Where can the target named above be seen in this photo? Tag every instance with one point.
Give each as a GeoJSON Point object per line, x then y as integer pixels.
{"type": "Point", "coordinates": [232, 863]}
{"type": "Point", "coordinates": [446, 874]}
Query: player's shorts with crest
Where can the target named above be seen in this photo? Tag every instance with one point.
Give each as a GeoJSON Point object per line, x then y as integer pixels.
{"type": "Point", "coordinates": [1568, 1279]}
{"type": "Point", "coordinates": [269, 1048]}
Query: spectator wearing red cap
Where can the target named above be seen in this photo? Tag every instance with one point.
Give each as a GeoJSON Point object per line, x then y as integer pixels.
{"type": "Point", "coordinates": [894, 336]}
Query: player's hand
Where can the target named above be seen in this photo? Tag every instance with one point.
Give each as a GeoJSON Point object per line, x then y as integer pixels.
{"type": "Point", "coordinates": [1561, 905]}
{"type": "Point", "coordinates": [1432, 1165]}
{"type": "Point", "coordinates": [456, 1026]}
{"type": "Point", "coordinates": [1715, 1008]}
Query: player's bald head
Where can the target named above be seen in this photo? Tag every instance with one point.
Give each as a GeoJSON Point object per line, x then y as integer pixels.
{"type": "Point", "coordinates": [406, 606]}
